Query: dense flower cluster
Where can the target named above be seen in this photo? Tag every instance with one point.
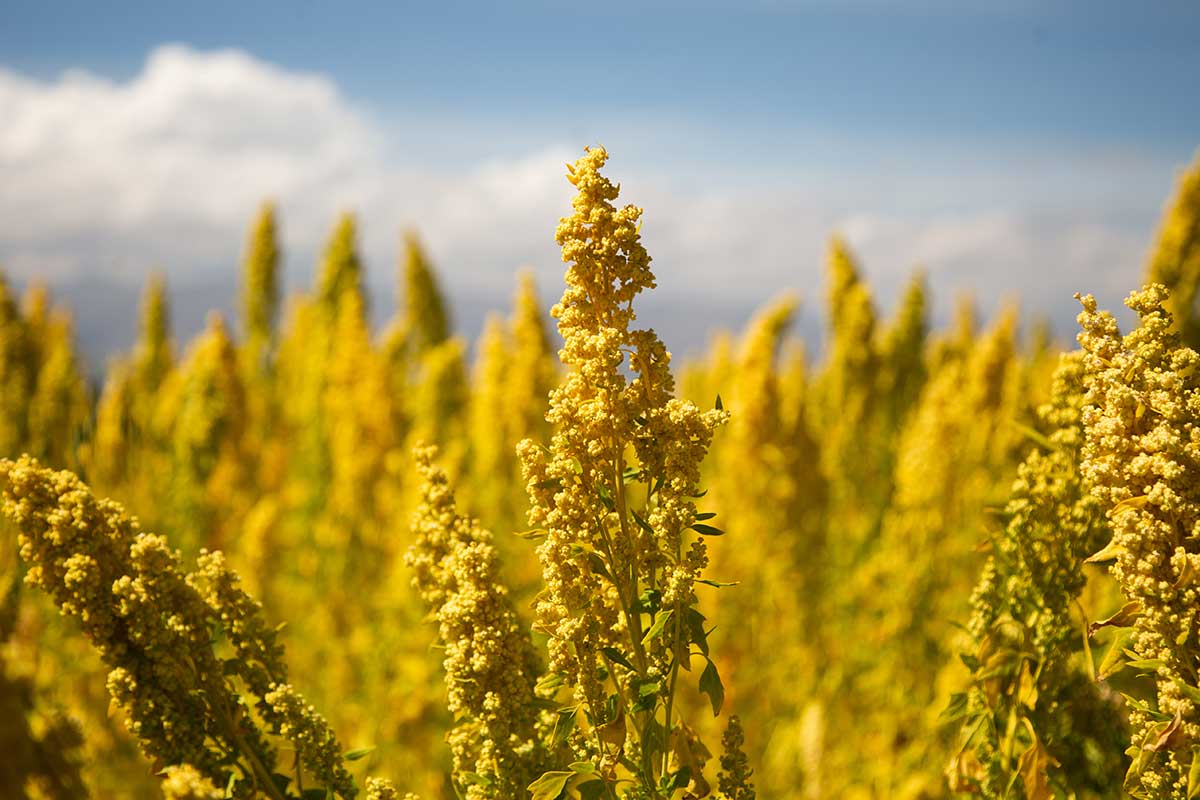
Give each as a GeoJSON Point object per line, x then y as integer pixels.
{"type": "Point", "coordinates": [153, 626]}
{"type": "Point", "coordinates": [862, 487]}
{"type": "Point", "coordinates": [185, 782]}
{"type": "Point", "coordinates": [614, 495]}
{"type": "Point", "coordinates": [734, 780]}
{"type": "Point", "coordinates": [1142, 458]}
{"type": "Point", "coordinates": [490, 665]}
{"type": "Point", "coordinates": [312, 737]}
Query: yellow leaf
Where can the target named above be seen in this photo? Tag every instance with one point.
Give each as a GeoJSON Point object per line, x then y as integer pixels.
{"type": "Point", "coordinates": [1110, 552]}
{"type": "Point", "coordinates": [1034, 766]}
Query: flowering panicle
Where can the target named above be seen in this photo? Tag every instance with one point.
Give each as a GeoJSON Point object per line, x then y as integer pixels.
{"type": "Point", "coordinates": [533, 370]}
{"type": "Point", "coordinates": [341, 269]}
{"type": "Point", "coordinates": [379, 789]}
{"type": "Point", "coordinates": [514, 373]}
{"type": "Point", "coordinates": [359, 411]}
{"type": "Point", "coordinates": [490, 665]}
{"type": "Point", "coordinates": [734, 780]}
{"type": "Point", "coordinates": [185, 782]}
{"type": "Point", "coordinates": [154, 627]}
{"type": "Point", "coordinates": [260, 289]}
{"type": "Point", "coordinates": [614, 496]}
{"type": "Point", "coordinates": [902, 357]}
{"type": "Point", "coordinates": [38, 312]}
{"type": "Point", "coordinates": [1023, 634]}
{"type": "Point", "coordinates": [202, 412]}
{"type": "Point", "coordinates": [1175, 259]}
{"type": "Point", "coordinates": [492, 455]}
{"type": "Point", "coordinates": [847, 385]}
{"type": "Point", "coordinates": [315, 743]}
{"type": "Point", "coordinates": [154, 354]}
{"type": "Point", "coordinates": [440, 401]}
{"type": "Point", "coordinates": [1142, 459]}
{"type": "Point", "coordinates": [16, 378]}
{"type": "Point", "coordinates": [110, 453]}
{"type": "Point", "coordinates": [425, 319]}
{"type": "Point", "coordinates": [60, 409]}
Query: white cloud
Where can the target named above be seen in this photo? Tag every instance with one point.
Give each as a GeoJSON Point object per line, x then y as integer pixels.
{"type": "Point", "coordinates": [169, 167]}
{"type": "Point", "coordinates": [111, 178]}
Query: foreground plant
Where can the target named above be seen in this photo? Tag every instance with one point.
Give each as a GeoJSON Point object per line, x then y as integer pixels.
{"type": "Point", "coordinates": [194, 667]}
{"type": "Point", "coordinates": [613, 497]}
{"type": "Point", "coordinates": [490, 664]}
{"type": "Point", "coordinates": [1032, 719]}
{"type": "Point", "coordinates": [1142, 458]}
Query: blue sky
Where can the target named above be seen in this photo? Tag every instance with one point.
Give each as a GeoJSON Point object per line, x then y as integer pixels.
{"type": "Point", "coordinates": [1018, 148]}
{"type": "Point", "coordinates": [1099, 72]}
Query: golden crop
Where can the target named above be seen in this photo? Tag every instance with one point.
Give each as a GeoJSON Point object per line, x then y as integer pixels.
{"type": "Point", "coordinates": [922, 564]}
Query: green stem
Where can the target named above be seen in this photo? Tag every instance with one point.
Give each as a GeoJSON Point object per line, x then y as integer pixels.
{"type": "Point", "coordinates": [264, 775]}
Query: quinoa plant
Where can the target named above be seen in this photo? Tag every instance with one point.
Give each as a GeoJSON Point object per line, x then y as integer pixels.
{"type": "Point", "coordinates": [194, 667]}
{"type": "Point", "coordinates": [613, 500]}
{"type": "Point", "coordinates": [1141, 455]}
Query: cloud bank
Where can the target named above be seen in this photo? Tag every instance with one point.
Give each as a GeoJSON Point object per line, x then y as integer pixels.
{"type": "Point", "coordinates": [105, 180]}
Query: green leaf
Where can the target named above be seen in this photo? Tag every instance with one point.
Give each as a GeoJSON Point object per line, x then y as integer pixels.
{"type": "Point", "coordinates": [362, 752]}
{"type": "Point", "coordinates": [588, 790]}
{"type": "Point", "coordinates": [605, 496]}
{"type": "Point", "coordinates": [705, 515]}
{"type": "Point", "coordinates": [649, 602]}
{"type": "Point", "coordinates": [1192, 692]}
{"type": "Point", "coordinates": [564, 724]}
{"type": "Point", "coordinates": [956, 708]}
{"type": "Point", "coordinates": [582, 767]}
{"type": "Point", "coordinates": [716, 584]}
{"type": "Point", "coordinates": [707, 530]}
{"type": "Point", "coordinates": [532, 533]}
{"type": "Point", "coordinates": [229, 787]}
{"type": "Point", "coordinates": [1123, 618]}
{"type": "Point", "coordinates": [694, 621]}
{"type": "Point", "coordinates": [550, 785]}
{"type": "Point", "coordinates": [1033, 766]}
{"type": "Point", "coordinates": [614, 655]}
{"type": "Point", "coordinates": [660, 623]}
{"type": "Point", "coordinates": [549, 483]}
{"type": "Point", "coordinates": [315, 794]}
{"type": "Point", "coordinates": [1107, 553]}
{"type": "Point", "coordinates": [551, 680]}
{"type": "Point", "coordinates": [1145, 708]}
{"type": "Point", "coordinates": [719, 405]}
{"type": "Point", "coordinates": [1114, 659]}
{"type": "Point", "coordinates": [631, 474]}
{"type": "Point", "coordinates": [475, 779]}
{"type": "Point", "coordinates": [281, 781]}
{"type": "Point", "coordinates": [598, 565]}
{"type": "Point", "coordinates": [676, 780]}
{"type": "Point", "coordinates": [1193, 789]}
{"type": "Point", "coordinates": [648, 690]}
{"type": "Point", "coordinates": [710, 684]}
{"type": "Point", "coordinates": [642, 523]}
